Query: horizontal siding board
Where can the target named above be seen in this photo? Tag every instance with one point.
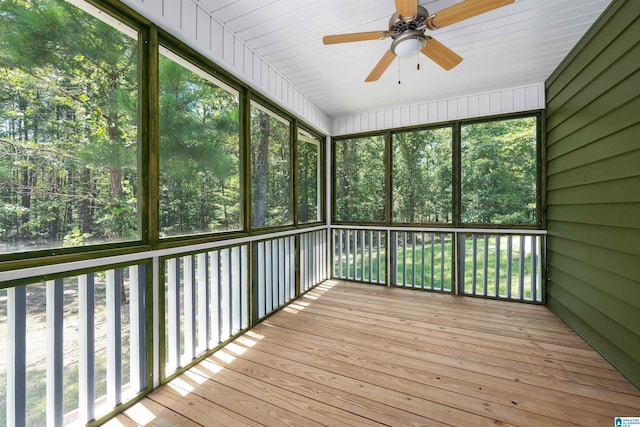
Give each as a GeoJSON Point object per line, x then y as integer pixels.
{"type": "Point", "coordinates": [621, 313]}
{"type": "Point", "coordinates": [611, 214]}
{"type": "Point", "coordinates": [621, 288]}
{"type": "Point", "coordinates": [618, 335]}
{"type": "Point", "coordinates": [618, 68]}
{"type": "Point", "coordinates": [618, 167]}
{"type": "Point", "coordinates": [602, 192]}
{"type": "Point", "coordinates": [574, 153]}
{"type": "Point", "coordinates": [607, 124]}
{"type": "Point", "coordinates": [613, 261]}
{"type": "Point", "coordinates": [593, 174]}
{"type": "Point", "coordinates": [603, 61]}
{"type": "Point", "coordinates": [561, 304]}
{"type": "Point", "coordinates": [617, 239]}
{"type": "Point", "coordinates": [590, 45]}
{"type": "Point", "coordinates": [619, 95]}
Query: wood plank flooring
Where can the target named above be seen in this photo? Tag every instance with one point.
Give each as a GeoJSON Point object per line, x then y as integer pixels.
{"type": "Point", "coordinates": [348, 354]}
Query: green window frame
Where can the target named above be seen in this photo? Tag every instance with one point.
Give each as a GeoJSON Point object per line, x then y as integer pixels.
{"type": "Point", "coordinates": [309, 173]}
{"type": "Point", "coordinates": [360, 160]}
{"type": "Point", "coordinates": [528, 141]}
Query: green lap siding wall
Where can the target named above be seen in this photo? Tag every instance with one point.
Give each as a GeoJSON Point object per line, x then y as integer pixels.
{"type": "Point", "coordinates": [593, 187]}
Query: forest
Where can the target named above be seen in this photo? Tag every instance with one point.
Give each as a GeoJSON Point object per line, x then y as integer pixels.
{"type": "Point", "coordinates": [71, 145]}
{"type": "Point", "coordinates": [497, 175]}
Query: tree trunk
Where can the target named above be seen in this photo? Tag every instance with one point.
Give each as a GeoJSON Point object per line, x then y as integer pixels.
{"type": "Point", "coordinates": [26, 195]}
{"type": "Point", "coordinates": [303, 184]}
{"type": "Point", "coordinates": [85, 204]}
{"type": "Point", "coordinates": [345, 181]}
{"type": "Point", "coordinates": [260, 176]}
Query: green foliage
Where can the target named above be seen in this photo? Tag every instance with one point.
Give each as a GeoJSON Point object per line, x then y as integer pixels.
{"type": "Point", "coordinates": [271, 186]}
{"type": "Point", "coordinates": [308, 176]}
{"type": "Point", "coordinates": [422, 186]}
{"type": "Point", "coordinates": [498, 175]}
{"type": "Point", "coordinates": [75, 238]}
{"type": "Point", "coordinates": [359, 179]}
{"type": "Point", "coordinates": [199, 153]}
{"type": "Point", "coordinates": [499, 172]}
{"type": "Point", "coordinates": [68, 133]}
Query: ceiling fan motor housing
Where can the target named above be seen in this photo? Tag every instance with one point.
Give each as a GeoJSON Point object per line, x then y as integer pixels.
{"type": "Point", "coordinates": [408, 32]}
{"type": "Point", "coordinates": [399, 24]}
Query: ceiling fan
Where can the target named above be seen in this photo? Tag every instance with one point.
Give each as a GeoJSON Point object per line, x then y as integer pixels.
{"type": "Point", "coordinates": [407, 28]}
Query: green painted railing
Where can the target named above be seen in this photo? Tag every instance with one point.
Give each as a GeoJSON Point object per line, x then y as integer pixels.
{"type": "Point", "coordinates": [500, 264]}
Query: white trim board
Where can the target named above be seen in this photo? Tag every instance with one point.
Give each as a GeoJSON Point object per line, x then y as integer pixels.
{"type": "Point", "coordinates": [502, 101]}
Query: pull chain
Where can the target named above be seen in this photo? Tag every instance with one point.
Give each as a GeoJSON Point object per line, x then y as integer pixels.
{"type": "Point", "coordinates": [399, 80]}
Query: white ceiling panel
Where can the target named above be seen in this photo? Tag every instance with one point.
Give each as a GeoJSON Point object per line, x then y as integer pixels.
{"type": "Point", "coordinates": [515, 45]}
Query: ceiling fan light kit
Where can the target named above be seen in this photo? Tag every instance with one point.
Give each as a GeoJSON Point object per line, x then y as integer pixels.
{"type": "Point", "coordinates": [408, 44]}
{"type": "Point", "coordinates": [407, 28]}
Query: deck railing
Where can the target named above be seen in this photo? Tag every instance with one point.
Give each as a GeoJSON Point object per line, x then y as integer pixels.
{"type": "Point", "coordinates": [504, 266]}
{"type": "Point", "coordinates": [95, 334]}
{"type": "Point", "coordinates": [360, 254]}
{"type": "Point", "coordinates": [76, 377]}
{"type": "Point", "coordinates": [422, 259]}
{"type": "Point", "coordinates": [75, 347]}
{"type": "Point", "coordinates": [501, 264]}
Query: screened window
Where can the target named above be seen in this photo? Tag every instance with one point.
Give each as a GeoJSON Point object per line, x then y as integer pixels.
{"type": "Point", "coordinates": [498, 171]}
{"type": "Point", "coordinates": [199, 151]}
{"type": "Point", "coordinates": [359, 179]}
{"type": "Point", "coordinates": [271, 188]}
{"type": "Point", "coordinates": [422, 178]}
{"type": "Point", "coordinates": [309, 190]}
{"type": "Point", "coordinates": [68, 127]}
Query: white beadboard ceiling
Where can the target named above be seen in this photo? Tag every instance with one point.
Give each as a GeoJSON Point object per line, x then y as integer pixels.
{"type": "Point", "coordinates": [517, 45]}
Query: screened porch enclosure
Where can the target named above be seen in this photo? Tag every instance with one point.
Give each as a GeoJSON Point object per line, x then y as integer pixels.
{"type": "Point", "coordinates": [181, 243]}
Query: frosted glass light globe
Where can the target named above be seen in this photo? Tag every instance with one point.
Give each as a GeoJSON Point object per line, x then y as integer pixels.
{"type": "Point", "coordinates": [408, 47]}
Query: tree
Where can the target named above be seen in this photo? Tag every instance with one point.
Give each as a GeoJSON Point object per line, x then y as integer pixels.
{"type": "Point", "coordinates": [308, 153]}
{"type": "Point", "coordinates": [199, 153]}
{"type": "Point", "coordinates": [271, 187]}
{"type": "Point", "coordinates": [422, 178]}
{"type": "Point", "coordinates": [68, 108]}
{"type": "Point", "coordinates": [360, 179]}
{"type": "Point", "coordinates": [499, 172]}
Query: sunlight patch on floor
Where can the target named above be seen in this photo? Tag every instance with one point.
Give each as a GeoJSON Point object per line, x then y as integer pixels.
{"type": "Point", "coordinates": [254, 335]}
{"type": "Point", "coordinates": [224, 356]}
{"type": "Point", "coordinates": [208, 366]}
{"type": "Point", "coordinates": [247, 342]}
{"type": "Point", "coordinates": [198, 378]}
{"type": "Point", "coordinates": [181, 386]}
{"type": "Point", "coordinates": [235, 348]}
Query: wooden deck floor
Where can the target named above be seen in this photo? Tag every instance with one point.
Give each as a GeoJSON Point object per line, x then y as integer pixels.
{"type": "Point", "coordinates": [351, 355]}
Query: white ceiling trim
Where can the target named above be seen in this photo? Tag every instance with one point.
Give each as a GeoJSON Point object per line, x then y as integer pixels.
{"type": "Point", "coordinates": [503, 101]}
